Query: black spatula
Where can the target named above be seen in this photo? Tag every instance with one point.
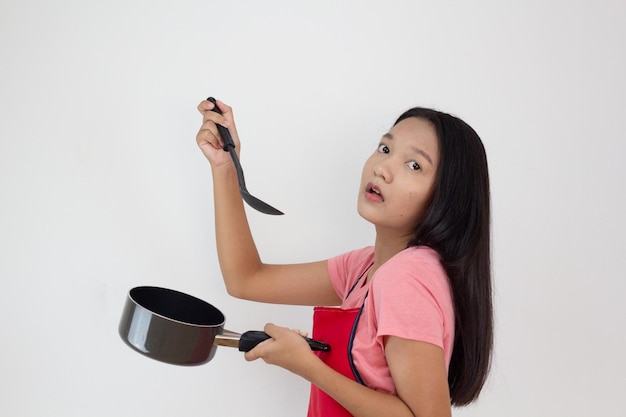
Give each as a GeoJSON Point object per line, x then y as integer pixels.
{"type": "Point", "coordinates": [229, 146]}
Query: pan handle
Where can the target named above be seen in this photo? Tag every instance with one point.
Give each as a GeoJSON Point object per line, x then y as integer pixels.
{"type": "Point", "coordinates": [252, 338]}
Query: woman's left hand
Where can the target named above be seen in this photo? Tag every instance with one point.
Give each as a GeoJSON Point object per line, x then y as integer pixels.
{"type": "Point", "coordinates": [286, 348]}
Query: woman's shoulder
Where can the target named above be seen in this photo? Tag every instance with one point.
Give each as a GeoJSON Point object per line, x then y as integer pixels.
{"type": "Point", "coordinates": [355, 258]}
{"type": "Point", "coordinates": [416, 256]}
{"type": "Point", "coordinates": [346, 268]}
{"type": "Point", "coordinates": [412, 298]}
{"type": "Point", "coordinates": [419, 263]}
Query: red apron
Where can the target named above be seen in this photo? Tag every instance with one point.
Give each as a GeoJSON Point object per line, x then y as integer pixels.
{"type": "Point", "coordinates": [334, 326]}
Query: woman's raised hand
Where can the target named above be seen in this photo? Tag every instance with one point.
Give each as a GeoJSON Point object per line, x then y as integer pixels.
{"type": "Point", "coordinates": [208, 137]}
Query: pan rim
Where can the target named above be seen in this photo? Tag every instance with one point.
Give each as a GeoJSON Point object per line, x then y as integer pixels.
{"type": "Point", "coordinates": [173, 320]}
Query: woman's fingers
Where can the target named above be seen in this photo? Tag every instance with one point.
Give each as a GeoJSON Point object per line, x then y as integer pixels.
{"type": "Point", "coordinates": [225, 118]}
{"type": "Point", "coordinates": [210, 119]}
{"type": "Point", "coordinates": [227, 113]}
{"type": "Point", "coordinates": [204, 106]}
{"type": "Point", "coordinates": [300, 332]}
{"type": "Point", "coordinates": [207, 136]}
{"type": "Point", "coordinates": [285, 348]}
{"type": "Point", "coordinates": [280, 346]}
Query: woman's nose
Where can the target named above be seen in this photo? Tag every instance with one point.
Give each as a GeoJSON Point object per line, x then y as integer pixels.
{"type": "Point", "coordinates": [382, 170]}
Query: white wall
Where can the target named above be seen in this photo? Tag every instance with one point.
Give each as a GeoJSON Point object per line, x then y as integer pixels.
{"type": "Point", "coordinates": [102, 187]}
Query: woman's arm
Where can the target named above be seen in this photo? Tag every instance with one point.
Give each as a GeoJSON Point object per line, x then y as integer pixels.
{"type": "Point", "coordinates": [245, 275]}
{"type": "Point", "coordinates": [417, 368]}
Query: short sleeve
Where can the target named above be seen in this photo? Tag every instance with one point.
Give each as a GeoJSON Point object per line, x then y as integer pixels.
{"type": "Point", "coordinates": [412, 298]}
{"type": "Point", "coordinates": [344, 269]}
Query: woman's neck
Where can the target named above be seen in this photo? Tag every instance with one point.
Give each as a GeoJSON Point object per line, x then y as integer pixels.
{"type": "Point", "coordinates": [386, 247]}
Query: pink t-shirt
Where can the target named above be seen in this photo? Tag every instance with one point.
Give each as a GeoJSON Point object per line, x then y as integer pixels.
{"type": "Point", "coordinates": [409, 296]}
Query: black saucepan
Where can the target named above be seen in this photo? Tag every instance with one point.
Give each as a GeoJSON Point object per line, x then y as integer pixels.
{"type": "Point", "coordinates": [180, 329]}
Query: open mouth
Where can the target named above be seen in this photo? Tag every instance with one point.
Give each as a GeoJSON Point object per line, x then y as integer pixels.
{"type": "Point", "coordinates": [373, 192]}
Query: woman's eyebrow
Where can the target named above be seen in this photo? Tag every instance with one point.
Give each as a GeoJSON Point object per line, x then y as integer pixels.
{"type": "Point", "coordinates": [413, 148]}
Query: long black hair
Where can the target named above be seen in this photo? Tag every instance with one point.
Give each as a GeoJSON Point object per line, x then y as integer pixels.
{"type": "Point", "coordinates": [456, 224]}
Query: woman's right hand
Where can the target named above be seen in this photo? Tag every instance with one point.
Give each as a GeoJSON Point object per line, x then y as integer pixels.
{"type": "Point", "coordinates": [208, 137]}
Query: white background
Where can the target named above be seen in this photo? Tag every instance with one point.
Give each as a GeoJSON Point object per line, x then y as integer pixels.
{"type": "Point", "coordinates": [102, 187]}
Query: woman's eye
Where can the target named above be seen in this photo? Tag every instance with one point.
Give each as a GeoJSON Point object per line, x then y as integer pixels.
{"type": "Point", "coordinates": [383, 148]}
{"type": "Point", "coordinates": [414, 165]}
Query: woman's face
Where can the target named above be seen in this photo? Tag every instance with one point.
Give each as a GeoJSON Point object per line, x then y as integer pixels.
{"type": "Point", "coordinates": [398, 178]}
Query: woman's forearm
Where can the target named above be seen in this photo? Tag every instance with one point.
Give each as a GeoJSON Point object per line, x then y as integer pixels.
{"type": "Point", "coordinates": [236, 250]}
{"type": "Point", "coordinates": [358, 399]}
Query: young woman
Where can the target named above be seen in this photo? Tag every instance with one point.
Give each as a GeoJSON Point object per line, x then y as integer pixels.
{"type": "Point", "coordinates": [413, 331]}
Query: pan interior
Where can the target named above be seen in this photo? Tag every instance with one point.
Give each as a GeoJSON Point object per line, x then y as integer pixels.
{"type": "Point", "coordinates": [177, 306]}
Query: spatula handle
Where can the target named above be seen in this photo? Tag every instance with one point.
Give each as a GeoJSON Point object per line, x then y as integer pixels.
{"type": "Point", "coordinates": [224, 133]}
